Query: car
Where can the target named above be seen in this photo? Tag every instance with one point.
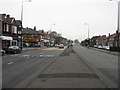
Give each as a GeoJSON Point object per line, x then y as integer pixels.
{"type": "Point", "coordinates": [99, 47]}
{"type": "Point", "coordinates": [70, 45]}
{"type": "Point", "coordinates": [51, 45]}
{"type": "Point", "coordinates": [2, 52]}
{"type": "Point", "coordinates": [56, 45]}
{"type": "Point", "coordinates": [13, 49]}
{"type": "Point", "coordinates": [61, 46]}
{"type": "Point", "coordinates": [95, 46]}
{"type": "Point", "coordinates": [106, 47]}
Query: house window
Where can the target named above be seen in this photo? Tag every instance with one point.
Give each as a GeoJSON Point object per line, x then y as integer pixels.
{"type": "Point", "coordinates": [7, 28]}
{"type": "Point", "coordinates": [4, 27]}
{"type": "Point", "coordinates": [14, 29]}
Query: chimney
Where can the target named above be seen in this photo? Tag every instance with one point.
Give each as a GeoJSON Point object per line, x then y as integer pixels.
{"type": "Point", "coordinates": [8, 16]}
{"type": "Point", "coordinates": [3, 16]}
{"type": "Point", "coordinates": [35, 28]}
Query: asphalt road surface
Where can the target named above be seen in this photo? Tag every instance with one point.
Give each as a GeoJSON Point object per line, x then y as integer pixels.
{"type": "Point", "coordinates": [16, 68]}
{"type": "Point", "coordinates": [104, 64]}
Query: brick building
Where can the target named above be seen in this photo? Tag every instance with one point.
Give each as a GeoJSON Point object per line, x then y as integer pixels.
{"type": "Point", "coordinates": [101, 40]}
{"type": "Point", "coordinates": [9, 28]}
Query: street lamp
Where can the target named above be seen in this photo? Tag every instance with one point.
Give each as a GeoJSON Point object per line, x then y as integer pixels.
{"type": "Point", "coordinates": [88, 28]}
{"type": "Point", "coordinates": [51, 27]}
{"type": "Point", "coordinates": [118, 28]}
{"type": "Point", "coordinates": [22, 22]}
{"type": "Point", "coordinates": [88, 34]}
{"type": "Point", "coordinates": [22, 9]}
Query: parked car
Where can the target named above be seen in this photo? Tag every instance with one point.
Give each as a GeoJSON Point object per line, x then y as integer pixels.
{"type": "Point", "coordinates": [61, 46]}
{"type": "Point", "coordinates": [95, 46]}
{"type": "Point", "coordinates": [56, 45]}
{"type": "Point", "coordinates": [70, 45]}
{"type": "Point", "coordinates": [2, 52]}
{"type": "Point", "coordinates": [100, 47]}
{"type": "Point", "coordinates": [13, 49]}
{"type": "Point", "coordinates": [106, 47]}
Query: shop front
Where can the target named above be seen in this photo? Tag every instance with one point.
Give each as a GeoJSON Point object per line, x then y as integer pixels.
{"type": "Point", "coordinates": [6, 42]}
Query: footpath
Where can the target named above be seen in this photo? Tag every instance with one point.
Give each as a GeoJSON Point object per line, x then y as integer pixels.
{"type": "Point", "coordinates": [105, 51]}
{"type": "Point", "coordinates": [67, 71]}
{"type": "Point", "coordinates": [34, 48]}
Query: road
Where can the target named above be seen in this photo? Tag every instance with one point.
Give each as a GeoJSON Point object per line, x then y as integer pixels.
{"type": "Point", "coordinates": [104, 64]}
{"type": "Point", "coordinates": [18, 67]}
{"type": "Point", "coordinates": [67, 71]}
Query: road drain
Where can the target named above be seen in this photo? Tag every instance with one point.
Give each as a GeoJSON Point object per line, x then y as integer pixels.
{"type": "Point", "coordinates": [68, 75]}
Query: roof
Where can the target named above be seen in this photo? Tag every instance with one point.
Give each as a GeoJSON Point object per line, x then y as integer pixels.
{"type": "Point", "coordinates": [112, 35]}
{"type": "Point", "coordinates": [40, 32]}
{"type": "Point", "coordinates": [18, 22]}
{"type": "Point", "coordinates": [8, 20]}
{"type": "Point", "coordinates": [29, 31]}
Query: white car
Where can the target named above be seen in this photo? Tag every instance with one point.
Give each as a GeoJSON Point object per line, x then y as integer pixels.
{"type": "Point", "coordinates": [106, 47]}
{"type": "Point", "coordinates": [95, 46]}
{"type": "Point", "coordinates": [56, 45]}
{"type": "Point", "coordinates": [2, 52]}
{"type": "Point", "coordinates": [100, 47]}
{"type": "Point", "coordinates": [61, 46]}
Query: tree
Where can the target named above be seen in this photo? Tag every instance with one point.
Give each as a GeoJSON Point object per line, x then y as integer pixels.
{"type": "Point", "coordinates": [76, 41]}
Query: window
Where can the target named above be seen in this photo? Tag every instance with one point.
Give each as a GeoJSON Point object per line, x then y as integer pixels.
{"type": "Point", "coordinates": [7, 28]}
{"type": "Point", "coordinates": [14, 29]}
{"type": "Point", "coordinates": [4, 27]}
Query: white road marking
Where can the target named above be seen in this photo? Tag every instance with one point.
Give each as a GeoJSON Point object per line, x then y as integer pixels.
{"type": "Point", "coordinates": [14, 55]}
{"type": "Point", "coordinates": [10, 63]}
{"type": "Point", "coordinates": [42, 53]}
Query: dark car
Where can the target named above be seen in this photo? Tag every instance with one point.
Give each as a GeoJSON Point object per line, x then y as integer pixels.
{"type": "Point", "coordinates": [13, 49]}
{"type": "Point", "coordinates": [2, 52]}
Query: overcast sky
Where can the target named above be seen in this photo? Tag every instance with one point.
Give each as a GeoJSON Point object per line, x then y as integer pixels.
{"type": "Point", "coordinates": [69, 16]}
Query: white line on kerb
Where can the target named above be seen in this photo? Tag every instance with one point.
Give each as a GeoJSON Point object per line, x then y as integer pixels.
{"type": "Point", "coordinates": [10, 63]}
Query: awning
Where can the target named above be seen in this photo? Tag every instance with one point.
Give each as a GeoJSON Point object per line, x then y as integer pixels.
{"type": "Point", "coordinates": [6, 38]}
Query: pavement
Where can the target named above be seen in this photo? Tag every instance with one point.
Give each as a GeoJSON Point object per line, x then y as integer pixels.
{"type": "Point", "coordinates": [67, 71]}
{"type": "Point", "coordinates": [34, 48]}
{"type": "Point", "coordinates": [105, 51]}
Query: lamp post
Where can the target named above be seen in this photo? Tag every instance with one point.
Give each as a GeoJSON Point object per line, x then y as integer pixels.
{"type": "Point", "coordinates": [50, 33]}
{"type": "Point", "coordinates": [22, 9]}
{"type": "Point", "coordinates": [51, 26]}
{"type": "Point", "coordinates": [118, 28]}
{"type": "Point", "coordinates": [22, 22]}
{"type": "Point", "coordinates": [88, 34]}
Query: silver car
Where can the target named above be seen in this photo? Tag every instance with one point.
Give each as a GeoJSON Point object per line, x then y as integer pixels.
{"type": "Point", "coordinates": [2, 52]}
